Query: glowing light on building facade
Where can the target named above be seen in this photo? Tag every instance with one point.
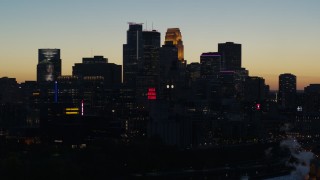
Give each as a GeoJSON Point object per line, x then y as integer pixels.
{"type": "Point", "coordinates": [258, 106]}
{"type": "Point", "coordinates": [152, 95]}
{"type": "Point", "coordinates": [82, 108]}
{"type": "Point", "coordinates": [71, 111]}
{"type": "Point", "coordinates": [49, 65]}
{"type": "Point", "coordinates": [174, 35]}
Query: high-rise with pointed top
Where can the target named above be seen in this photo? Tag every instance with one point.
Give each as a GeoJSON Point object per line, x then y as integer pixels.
{"type": "Point", "coordinates": [173, 36]}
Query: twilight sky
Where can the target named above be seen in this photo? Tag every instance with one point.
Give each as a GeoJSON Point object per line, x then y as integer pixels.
{"type": "Point", "coordinates": [277, 36]}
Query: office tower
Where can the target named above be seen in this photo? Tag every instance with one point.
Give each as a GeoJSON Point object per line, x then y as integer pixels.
{"type": "Point", "coordinates": [210, 64]}
{"type": "Point", "coordinates": [148, 76]}
{"type": "Point", "coordinates": [168, 66]}
{"type": "Point", "coordinates": [31, 98]}
{"type": "Point", "coordinates": [8, 90]}
{"type": "Point", "coordinates": [49, 65]}
{"type": "Point", "coordinates": [168, 59]}
{"type": "Point", "coordinates": [174, 35]}
{"type": "Point", "coordinates": [193, 71]}
{"type": "Point", "coordinates": [98, 66]}
{"type": "Point", "coordinates": [96, 77]}
{"type": "Point", "coordinates": [311, 98]}
{"type": "Point", "coordinates": [12, 112]}
{"type": "Point", "coordinates": [93, 94]}
{"type": "Point", "coordinates": [231, 55]}
{"type": "Point", "coordinates": [132, 54]}
{"type": "Point", "coordinates": [68, 90]}
{"type": "Point", "coordinates": [151, 38]}
{"type": "Point", "coordinates": [151, 46]}
{"type": "Point", "coordinates": [287, 91]}
{"type": "Point", "coordinates": [254, 89]}
{"type": "Point", "coordinates": [227, 81]}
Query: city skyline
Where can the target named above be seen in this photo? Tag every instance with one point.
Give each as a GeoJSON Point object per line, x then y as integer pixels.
{"type": "Point", "coordinates": [276, 37]}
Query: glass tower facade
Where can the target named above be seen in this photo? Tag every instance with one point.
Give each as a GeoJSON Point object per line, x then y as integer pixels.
{"type": "Point", "coordinates": [49, 65]}
{"type": "Point", "coordinates": [132, 54]}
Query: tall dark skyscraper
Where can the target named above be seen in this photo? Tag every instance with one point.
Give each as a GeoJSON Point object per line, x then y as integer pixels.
{"type": "Point", "coordinates": [148, 76]}
{"type": "Point", "coordinates": [231, 55]}
{"type": "Point", "coordinates": [174, 35]}
{"type": "Point", "coordinates": [287, 90]}
{"type": "Point", "coordinates": [49, 65]}
{"type": "Point", "coordinates": [168, 60]}
{"type": "Point", "coordinates": [132, 54]}
{"type": "Point", "coordinates": [151, 38]}
{"type": "Point", "coordinates": [168, 66]}
{"type": "Point", "coordinates": [151, 46]}
{"type": "Point", "coordinates": [210, 64]}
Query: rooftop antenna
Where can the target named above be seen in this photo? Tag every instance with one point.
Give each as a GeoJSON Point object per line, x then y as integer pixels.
{"type": "Point", "coordinates": [152, 26]}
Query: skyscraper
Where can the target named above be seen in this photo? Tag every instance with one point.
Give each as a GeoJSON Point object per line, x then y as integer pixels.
{"type": "Point", "coordinates": [193, 71]}
{"type": "Point", "coordinates": [287, 90]}
{"type": "Point", "coordinates": [151, 38]}
{"type": "Point", "coordinates": [168, 66]}
{"type": "Point", "coordinates": [311, 98]}
{"type": "Point", "coordinates": [151, 46]}
{"type": "Point", "coordinates": [148, 76]}
{"type": "Point", "coordinates": [98, 66]}
{"type": "Point", "coordinates": [132, 54]}
{"type": "Point", "coordinates": [210, 64]}
{"type": "Point", "coordinates": [174, 35]}
{"type": "Point", "coordinates": [49, 65]}
{"type": "Point", "coordinates": [231, 55]}
{"type": "Point", "coordinates": [168, 60]}
{"type": "Point", "coordinates": [254, 89]}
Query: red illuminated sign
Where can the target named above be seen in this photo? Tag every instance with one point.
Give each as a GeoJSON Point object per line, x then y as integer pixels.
{"type": "Point", "coordinates": [258, 106]}
{"type": "Point", "coordinates": [152, 95]}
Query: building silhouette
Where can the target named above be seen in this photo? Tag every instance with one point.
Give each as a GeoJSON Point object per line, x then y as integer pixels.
{"type": "Point", "coordinates": [193, 71]}
{"type": "Point", "coordinates": [151, 45]}
{"type": "Point", "coordinates": [151, 38]}
{"type": "Point", "coordinates": [311, 98]}
{"type": "Point", "coordinates": [132, 54]}
{"type": "Point", "coordinates": [255, 89]}
{"type": "Point", "coordinates": [98, 66]}
{"type": "Point", "coordinates": [287, 91]}
{"type": "Point", "coordinates": [231, 55]}
{"type": "Point", "coordinates": [148, 76]}
{"type": "Point", "coordinates": [168, 68]}
{"type": "Point", "coordinates": [49, 65]}
{"type": "Point", "coordinates": [210, 64]}
{"type": "Point", "coordinates": [174, 35]}
{"type": "Point", "coordinates": [8, 90]}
